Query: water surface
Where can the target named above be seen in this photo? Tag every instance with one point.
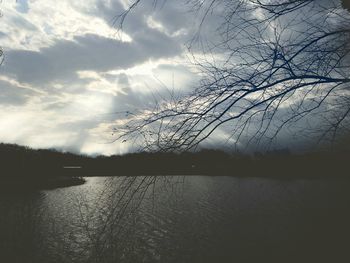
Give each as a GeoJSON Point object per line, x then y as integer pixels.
{"type": "Point", "coordinates": [178, 219]}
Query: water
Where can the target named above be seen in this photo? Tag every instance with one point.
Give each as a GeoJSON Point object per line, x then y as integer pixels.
{"type": "Point", "coordinates": [178, 219]}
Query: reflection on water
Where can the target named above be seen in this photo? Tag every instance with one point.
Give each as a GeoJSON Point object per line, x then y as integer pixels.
{"type": "Point", "coordinates": [178, 219]}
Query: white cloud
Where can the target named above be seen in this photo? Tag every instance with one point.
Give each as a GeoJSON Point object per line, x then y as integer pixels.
{"type": "Point", "coordinates": [46, 21]}
{"type": "Point", "coordinates": [67, 71]}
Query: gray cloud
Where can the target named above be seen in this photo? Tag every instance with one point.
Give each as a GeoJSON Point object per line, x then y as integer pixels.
{"type": "Point", "coordinates": [73, 110]}
{"type": "Point", "coordinates": [22, 23]}
{"type": "Point", "coordinates": [88, 52]}
{"type": "Point", "coordinates": [12, 95]}
{"type": "Point", "coordinates": [54, 68]}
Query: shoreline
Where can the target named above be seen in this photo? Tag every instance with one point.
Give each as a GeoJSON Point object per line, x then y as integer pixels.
{"type": "Point", "coordinates": [44, 184]}
{"type": "Point", "coordinates": [68, 181]}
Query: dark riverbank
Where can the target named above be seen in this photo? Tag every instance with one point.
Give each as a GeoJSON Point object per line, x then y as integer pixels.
{"type": "Point", "coordinates": [20, 184]}
{"type": "Point", "coordinates": [50, 169]}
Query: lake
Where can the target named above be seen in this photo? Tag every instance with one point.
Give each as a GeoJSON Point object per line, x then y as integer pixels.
{"type": "Point", "coordinates": [178, 219]}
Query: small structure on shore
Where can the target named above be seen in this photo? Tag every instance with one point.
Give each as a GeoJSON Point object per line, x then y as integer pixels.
{"type": "Point", "coordinates": [73, 170]}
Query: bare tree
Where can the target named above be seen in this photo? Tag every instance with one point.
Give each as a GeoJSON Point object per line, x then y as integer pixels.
{"type": "Point", "coordinates": [276, 64]}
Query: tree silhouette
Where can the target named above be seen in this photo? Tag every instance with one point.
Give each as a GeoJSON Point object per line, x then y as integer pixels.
{"type": "Point", "coordinates": [281, 63]}
{"type": "Point", "coordinates": [346, 4]}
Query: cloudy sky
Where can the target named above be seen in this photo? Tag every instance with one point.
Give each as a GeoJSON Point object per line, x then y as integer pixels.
{"type": "Point", "coordinates": [68, 71]}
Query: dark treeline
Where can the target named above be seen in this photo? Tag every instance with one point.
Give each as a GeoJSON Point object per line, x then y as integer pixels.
{"type": "Point", "coordinates": [23, 164]}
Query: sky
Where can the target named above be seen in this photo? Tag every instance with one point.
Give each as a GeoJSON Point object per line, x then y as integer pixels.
{"type": "Point", "coordinates": [70, 73]}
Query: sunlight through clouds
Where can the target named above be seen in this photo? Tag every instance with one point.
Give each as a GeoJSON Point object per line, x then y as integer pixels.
{"type": "Point", "coordinates": [68, 69]}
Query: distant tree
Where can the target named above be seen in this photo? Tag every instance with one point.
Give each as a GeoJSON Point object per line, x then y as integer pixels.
{"type": "Point", "coordinates": [284, 61]}
{"type": "Point", "coordinates": [346, 4]}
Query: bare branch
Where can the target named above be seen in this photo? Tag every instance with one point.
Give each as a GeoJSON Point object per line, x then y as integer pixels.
{"type": "Point", "coordinates": [277, 59]}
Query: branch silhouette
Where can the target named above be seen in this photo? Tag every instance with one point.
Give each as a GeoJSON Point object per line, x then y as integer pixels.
{"type": "Point", "coordinates": [283, 62]}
